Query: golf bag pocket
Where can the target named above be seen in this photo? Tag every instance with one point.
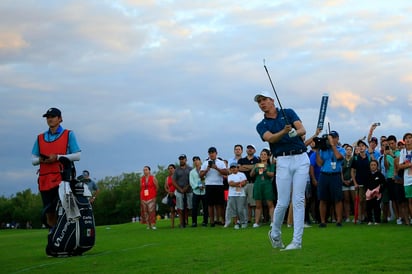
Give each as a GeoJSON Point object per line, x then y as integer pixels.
{"type": "Point", "coordinates": [72, 236]}
{"type": "Point", "coordinates": [86, 226]}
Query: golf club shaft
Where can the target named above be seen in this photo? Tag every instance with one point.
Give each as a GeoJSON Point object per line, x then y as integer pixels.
{"type": "Point", "coordinates": [277, 98]}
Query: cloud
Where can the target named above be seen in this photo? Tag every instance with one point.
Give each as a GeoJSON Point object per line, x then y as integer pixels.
{"type": "Point", "coordinates": [143, 81]}
{"type": "Point", "coordinates": [12, 42]}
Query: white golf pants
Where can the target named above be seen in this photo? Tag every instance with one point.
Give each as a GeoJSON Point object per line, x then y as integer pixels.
{"type": "Point", "coordinates": [292, 173]}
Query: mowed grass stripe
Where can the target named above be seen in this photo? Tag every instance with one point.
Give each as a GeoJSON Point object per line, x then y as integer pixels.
{"type": "Point", "coordinates": [131, 248]}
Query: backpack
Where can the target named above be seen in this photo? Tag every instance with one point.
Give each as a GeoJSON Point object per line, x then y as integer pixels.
{"type": "Point", "coordinates": [74, 232]}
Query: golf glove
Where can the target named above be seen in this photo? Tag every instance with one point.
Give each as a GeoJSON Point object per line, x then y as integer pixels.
{"type": "Point", "coordinates": [293, 133]}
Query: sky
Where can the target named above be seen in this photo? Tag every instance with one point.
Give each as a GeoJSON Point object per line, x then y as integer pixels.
{"type": "Point", "coordinates": [141, 82]}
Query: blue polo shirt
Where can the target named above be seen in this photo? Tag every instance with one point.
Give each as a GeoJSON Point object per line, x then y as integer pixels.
{"type": "Point", "coordinates": [328, 157]}
{"type": "Point", "coordinates": [286, 143]}
{"type": "Point", "coordinates": [72, 146]}
{"type": "Point", "coordinates": [313, 163]}
{"type": "Point", "coordinates": [376, 154]}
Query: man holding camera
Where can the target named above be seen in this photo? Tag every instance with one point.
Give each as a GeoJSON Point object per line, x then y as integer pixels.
{"type": "Point", "coordinates": [213, 171]}
{"type": "Point", "coordinates": [330, 181]}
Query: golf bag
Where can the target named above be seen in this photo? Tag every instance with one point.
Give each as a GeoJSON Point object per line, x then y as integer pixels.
{"type": "Point", "coordinates": [74, 232]}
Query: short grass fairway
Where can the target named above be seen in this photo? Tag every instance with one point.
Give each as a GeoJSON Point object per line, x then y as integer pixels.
{"type": "Point", "coordinates": [131, 248]}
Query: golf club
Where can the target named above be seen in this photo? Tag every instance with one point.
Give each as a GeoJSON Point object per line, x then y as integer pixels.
{"type": "Point", "coordinates": [274, 90]}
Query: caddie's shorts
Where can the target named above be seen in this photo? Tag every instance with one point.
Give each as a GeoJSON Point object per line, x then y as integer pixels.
{"type": "Point", "coordinates": [50, 198]}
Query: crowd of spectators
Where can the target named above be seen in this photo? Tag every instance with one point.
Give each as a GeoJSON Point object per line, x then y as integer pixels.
{"type": "Point", "coordinates": [370, 169]}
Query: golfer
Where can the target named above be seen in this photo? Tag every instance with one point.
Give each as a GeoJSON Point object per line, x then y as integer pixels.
{"type": "Point", "coordinates": [284, 135]}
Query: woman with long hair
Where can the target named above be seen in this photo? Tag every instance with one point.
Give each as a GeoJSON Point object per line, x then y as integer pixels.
{"type": "Point", "coordinates": [170, 189]}
{"type": "Point", "coordinates": [262, 189]}
{"type": "Point", "coordinates": [148, 193]}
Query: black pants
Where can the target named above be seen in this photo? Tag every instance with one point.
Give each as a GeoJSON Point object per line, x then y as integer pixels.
{"type": "Point", "coordinates": [373, 206]}
{"type": "Point", "coordinates": [195, 203]}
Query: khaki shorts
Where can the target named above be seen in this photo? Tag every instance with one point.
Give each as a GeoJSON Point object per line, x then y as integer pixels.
{"type": "Point", "coordinates": [249, 195]}
{"type": "Point", "coordinates": [180, 200]}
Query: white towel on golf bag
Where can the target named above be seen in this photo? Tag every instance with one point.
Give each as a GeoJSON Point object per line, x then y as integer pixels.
{"type": "Point", "coordinates": [68, 201]}
{"type": "Point", "coordinates": [87, 192]}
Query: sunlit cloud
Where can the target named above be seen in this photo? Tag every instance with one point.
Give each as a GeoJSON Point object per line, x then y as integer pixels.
{"type": "Point", "coordinates": [346, 99]}
{"type": "Point", "coordinates": [12, 41]}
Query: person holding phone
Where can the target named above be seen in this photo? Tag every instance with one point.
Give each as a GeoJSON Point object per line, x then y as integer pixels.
{"type": "Point", "coordinates": [47, 149]}
{"type": "Point", "coordinates": [213, 171]}
{"type": "Point", "coordinates": [373, 150]}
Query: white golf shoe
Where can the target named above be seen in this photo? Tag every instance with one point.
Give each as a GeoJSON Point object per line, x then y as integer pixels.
{"type": "Point", "coordinates": [292, 246]}
{"type": "Point", "coordinates": [275, 242]}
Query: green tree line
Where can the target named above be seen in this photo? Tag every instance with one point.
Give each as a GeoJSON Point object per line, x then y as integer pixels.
{"type": "Point", "coordinates": [118, 202]}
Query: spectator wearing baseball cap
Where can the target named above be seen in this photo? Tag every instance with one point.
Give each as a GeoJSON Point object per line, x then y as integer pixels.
{"type": "Point", "coordinates": [251, 147]}
{"type": "Point", "coordinates": [373, 151]}
{"type": "Point", "coordinates": [330, 181]}
{"type": "Point", "coordinates": [334, 134]}
{"type": "Point", "coordinates": [236, 204]}
{"type": "Point", "coordinates": [213, 171]}
{"type": "Point", "coordinates": [362, 142]}
{"type": "Point", "coordinates": [183, 192]}
{"type": "Point", "coordinates": [360, 176]}
{"type": "Point", "coordinates": [401, 144]}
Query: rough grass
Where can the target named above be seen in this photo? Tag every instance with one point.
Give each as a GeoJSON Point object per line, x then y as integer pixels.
{"type": "Point", "coordinates": [130, 248]}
